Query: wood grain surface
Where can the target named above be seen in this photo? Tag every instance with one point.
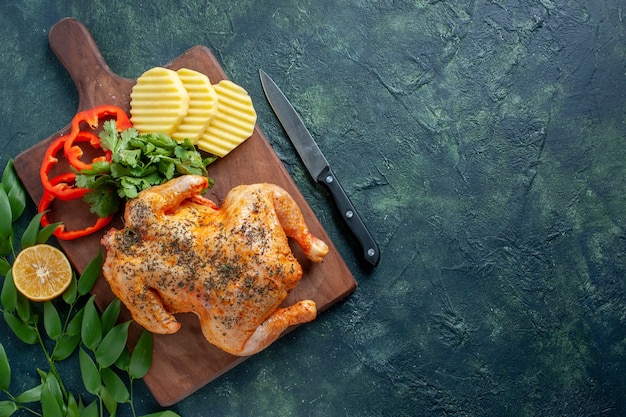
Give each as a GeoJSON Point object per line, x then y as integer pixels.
{"type": "Point", "coordinates": [185, 361]}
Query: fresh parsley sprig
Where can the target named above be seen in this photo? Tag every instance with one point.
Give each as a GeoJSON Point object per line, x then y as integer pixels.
{"type": "Point", "coordinates": [138, 161]}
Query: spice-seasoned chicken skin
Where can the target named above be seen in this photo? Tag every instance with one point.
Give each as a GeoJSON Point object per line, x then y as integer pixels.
{"type": "Point", "coordinates": [231, 266]}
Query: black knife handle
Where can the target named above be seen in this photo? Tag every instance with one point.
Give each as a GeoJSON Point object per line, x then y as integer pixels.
{"type": "Point", "coordinates": [351, 217]}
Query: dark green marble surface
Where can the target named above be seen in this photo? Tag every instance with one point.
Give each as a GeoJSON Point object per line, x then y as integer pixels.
{"type": "Point", "coordinates": [481, 141]}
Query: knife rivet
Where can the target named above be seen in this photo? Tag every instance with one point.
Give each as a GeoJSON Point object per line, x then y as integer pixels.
{"type": "Point", "coordinates": [349, 214]}
{"type": "Point", "coordinates": [371, 252]}
{"type": "Point", "coordinates": [329, 179]}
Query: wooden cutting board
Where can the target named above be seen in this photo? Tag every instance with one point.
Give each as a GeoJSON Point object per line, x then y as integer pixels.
{"type": "Point", "coordinates": [185, 361]}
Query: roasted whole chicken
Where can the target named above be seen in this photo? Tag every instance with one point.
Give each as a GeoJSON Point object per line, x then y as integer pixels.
{"type": "Point", "coordinates": [231, 265]}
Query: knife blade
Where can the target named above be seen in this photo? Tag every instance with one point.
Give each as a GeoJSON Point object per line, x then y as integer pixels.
{"type": "Point", "coordinates": [318, 166]}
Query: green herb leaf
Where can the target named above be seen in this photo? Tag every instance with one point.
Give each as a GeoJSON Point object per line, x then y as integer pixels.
{"type": "Point", "coordinates": [115, 386]}
{"type": "Point", "coordinates": [14, 189]}
{"type": "Point", "coordinates": [129, 187]}
{"type": "Point", "coordinates": [129, 157]}
{"type": "Point", "coordinates": [66, 345]}
{"type": "Point", "coordinates": [6, 246]}
{"type": "Point", "coordinates": [74, 327]}
{"type": "Point", "coordinates": [167, 168]}
{"type": "Point", "coordinates": [123, 361]}
{"type": "Point", "coordinates": [29, 238]}
{"type": "Point", "coordinates": [90, 411]}
{"type": "Point", "coordinates": [5, 266]}
{"type": "Point", "coordinates": [102, 202]}
{"type": "Point", "coordinates": [31, 395]}
{"type": "Point", "coordinates": [166, 413]}
{"type": "Point", "coordinates": [109, 136]}
{"type": "Point", "coordinates": [91, 327]}
{"type": "Point", "coordinates": [110, 315]}
{"type": "Point", "coordinates": [90, 274]}
{"type": "Point", "coordinates": [24, 310]}
{"type": "Point", "coordinates": [46, 232]}
{"type": "Point", "coordinates": [6, 216]}
{"type": "Point", "coordinates": [51, 320]}
{"type": "Point", "coordinates": [5, 370]}
{"type": "Point", "coordinates": [23, 331]}
{"type": "Point", "coordinates": [72, 406]}
{"type": "Point", "coordinates": [108, 400]}
{"type": "Point", "coordinates": [8, 296]}
{"type": "Point", "coordinates": [7, 408]}
{"type": "Point", "coordinates": [112, 345]}
{"type": "Point", "coordinates": [89, 372]}
{"type": "Point", "coordinates": [70, 295]}
{"type": "Point", "coordinates": [42, 375]}
{"type": "Point", "coordinates": [141, 358]}
{"type": "Point", "coordinates": [52, 402]}
{"type": "Point", "coordinates": [49, 406]}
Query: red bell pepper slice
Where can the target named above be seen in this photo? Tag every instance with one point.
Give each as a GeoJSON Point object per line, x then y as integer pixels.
{"type": "Point", "coordinates": [48, 198]}
{"type": "Point", "coordinates": [59, 189]}
{"type": "Point", "coordinates": [92, 116]}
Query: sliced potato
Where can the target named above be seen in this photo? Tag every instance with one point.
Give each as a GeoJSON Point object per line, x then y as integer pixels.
{"type": "Point", "coordinates": [202, 105]}
{"type": "Point", "coordinates": [158, 101]}
{"type": "Point", "coordinates": [232, 124]}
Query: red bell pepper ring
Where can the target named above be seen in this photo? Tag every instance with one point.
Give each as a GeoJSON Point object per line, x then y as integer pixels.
{"type": "Point", "coordinates": [75, 152]}
{"type": "Point", "coordinates": [48, 198]}
{"type": "Point", "coordinates": [59, 189]}
{"type": "Point", "coordinates": [62, 190]}
{"type": "Point", "coordinates": [92, 118]}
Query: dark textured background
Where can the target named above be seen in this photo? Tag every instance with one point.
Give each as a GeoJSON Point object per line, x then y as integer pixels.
{"type": "Point", "coordinates": [481, 141]}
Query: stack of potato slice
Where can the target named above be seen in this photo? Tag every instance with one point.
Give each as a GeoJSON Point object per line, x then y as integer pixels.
{"type": "Point", "coordinates": [185, 104]}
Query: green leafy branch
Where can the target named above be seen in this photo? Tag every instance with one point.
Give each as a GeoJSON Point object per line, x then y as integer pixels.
{"type": "Point", "coordinates": [70, 326]}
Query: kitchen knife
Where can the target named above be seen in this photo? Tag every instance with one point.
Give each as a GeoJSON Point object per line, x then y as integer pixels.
{"type": "Point", "coordinates": [318, 166]}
